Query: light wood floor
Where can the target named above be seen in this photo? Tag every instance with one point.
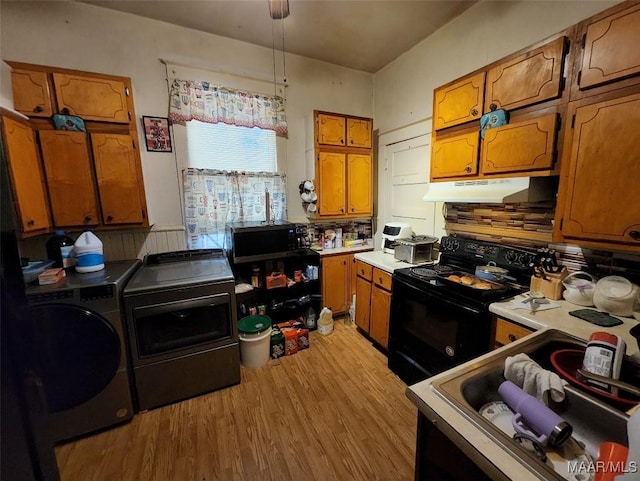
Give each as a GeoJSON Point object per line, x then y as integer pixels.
{"type": "Point", "coordinates": [331, 412]}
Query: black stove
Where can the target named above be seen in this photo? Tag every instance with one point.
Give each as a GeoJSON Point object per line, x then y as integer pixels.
{"type": "Point", "coordinates": [437, 323]}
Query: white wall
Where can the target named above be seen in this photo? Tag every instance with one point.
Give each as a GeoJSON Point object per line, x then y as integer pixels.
{"type": "Point", "coordinates": [85, 37]}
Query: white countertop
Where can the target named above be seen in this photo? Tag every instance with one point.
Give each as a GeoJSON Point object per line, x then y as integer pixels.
{"type": "Point", "coordinates": [423, 395]}
{"type": "Point", "coordinates": [345, 250]}
{"type": "Point", "coordinates": [382, 260]}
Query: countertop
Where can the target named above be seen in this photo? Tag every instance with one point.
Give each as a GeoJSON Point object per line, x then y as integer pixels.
{"type": "Point", "coordinates": [426, 399]}
{"type": "Point", "coordinates": [382, 260]}
{"type": "Point", "coordinates": [345, 250]}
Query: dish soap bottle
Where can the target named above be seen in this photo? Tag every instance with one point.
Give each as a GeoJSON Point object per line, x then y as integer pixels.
{"type": "Point", "coordinates": [59, 248]}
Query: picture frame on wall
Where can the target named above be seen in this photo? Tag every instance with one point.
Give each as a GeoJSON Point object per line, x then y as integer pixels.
{"type": "Point", "coordinates": [157, 134]}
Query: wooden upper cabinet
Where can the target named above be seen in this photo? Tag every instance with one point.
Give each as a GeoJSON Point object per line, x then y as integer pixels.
{"type": "Point", "coordinates": [92, 98]}
{"type": "Point", "coordinates": [530, 78]}
{"type": "Point", "coordinates": [611, 49]}
{"type": "Point", "coordinates": [31, 93]}
{"type": "Point", "coordinates": [331, 183]}
{"type": "Point", "coordinates": [359, 188]}
{"type": "Point", "coordinates": [458, 102]}
{"type": "Point", "coordinates": [331, 129]}
{"type": "Point", "coordinates": [119, 179]}
{"type": "Point", "coordinates": [69, 176]}
{"type": "Point", "coordinates": [603, 168]}
{"type": "Point", "coordinates": [522, 146]}
{"type": "Point", "coordinates": [455, 156]}
{"type": "Point", "coordinates": [359, 133]}
{"type": "Point", "coordinates": [27, 180]}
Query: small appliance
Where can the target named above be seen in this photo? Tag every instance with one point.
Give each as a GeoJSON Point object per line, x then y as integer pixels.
{"type": "Point", "coordinates": [416, 249]}
{"type": "Point", "coordinates": [392, 232]}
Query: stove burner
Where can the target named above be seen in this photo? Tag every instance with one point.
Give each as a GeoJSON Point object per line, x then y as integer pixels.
{"type": "Point", "coordinates": [442, 269]}
{"type": "Point", "coordinates": [424, 273]}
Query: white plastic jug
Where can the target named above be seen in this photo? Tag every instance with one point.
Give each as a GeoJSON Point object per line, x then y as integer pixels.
{"type": "Point", "coordinates": [88, 252]}
{"type": "Point", "coordinates": [325, 322]}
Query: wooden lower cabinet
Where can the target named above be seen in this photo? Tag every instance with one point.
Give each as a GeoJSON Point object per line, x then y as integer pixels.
{"type": "Point", "coordinates": [336, 276]}
{"type": "Point", "coordinates": [373, 302]}
{"type": "Point", "coordinates": [506, 331]}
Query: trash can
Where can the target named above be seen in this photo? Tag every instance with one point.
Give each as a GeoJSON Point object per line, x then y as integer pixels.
{"type": "Point", "coordinates": [254, 333]}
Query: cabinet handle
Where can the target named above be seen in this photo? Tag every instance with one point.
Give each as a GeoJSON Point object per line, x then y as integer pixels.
{"type": "Point", "coordinates": [65, 111]}
{"type": "Point", "coordinates": [87, 219]}
{"type": "Point", "coordinates": [474, 112]}
{"type": "Point", "coordinates": [467, 169]}
{"type": "Point", "coordinates": [635, 234]}
{"type": "Point", "coordinates": [342, 141]}
{"type": "Point", "coordinates": [38, 109]}
{"type": "Point", "coordinates": [109, 218]}
{"type": "Point", "coordinates": [512, 338]}
{"type": "Point", "coordinates": [30, 222]}
{"type": "Point", "coordinates": [342, 210]}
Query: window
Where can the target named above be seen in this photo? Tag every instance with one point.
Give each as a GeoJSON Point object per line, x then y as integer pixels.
{"type": "Point", "coordinates": [229, 147]}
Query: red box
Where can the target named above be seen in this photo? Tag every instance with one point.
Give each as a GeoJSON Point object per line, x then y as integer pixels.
{"type": "Point", "coordinates": [290, 341]}
{"type": "Point", "coordinates": [51, 276]}
{"type": "Point", "coordinates": [303, 339]}
{"type": "Point", "coordinates": [276, 279]}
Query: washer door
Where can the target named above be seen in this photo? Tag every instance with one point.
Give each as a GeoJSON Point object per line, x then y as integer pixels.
{"type": "Point", "coordinates": [78, 353]}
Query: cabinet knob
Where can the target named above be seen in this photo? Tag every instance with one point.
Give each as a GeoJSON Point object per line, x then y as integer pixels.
{"type": "Point", "coordinates": [109, 218]}
{"type": "Point", "coordinates": [512, 337]}
{"type": "Point", "coordinates": [467, 169]}
{"type": "Point", "coordinates": [635, 234]}
{"type": "Point", "coordinates": [38, 109]}
{"type": "Point", "coordinates": [87, 219]}
{"type": "Point", "coordinates": [30, 222]}
{"type": "Point", "coordinates": [474, 112]}
{"type": "Point", "coordinates": [342, 210]}
{"type": "Point", "coordinates": [342, 141]}
{"type": "Point", "coordinates": [65, 111]}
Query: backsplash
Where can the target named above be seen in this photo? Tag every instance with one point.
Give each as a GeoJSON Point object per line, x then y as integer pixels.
{"type": "Point", "coordinates": [118, 245]}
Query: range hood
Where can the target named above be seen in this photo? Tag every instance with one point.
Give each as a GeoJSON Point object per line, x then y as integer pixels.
{"type": "Point", "coordinates": [501, 191]}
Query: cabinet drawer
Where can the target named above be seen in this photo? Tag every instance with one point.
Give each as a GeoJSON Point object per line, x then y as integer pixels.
{"type": "Point", "coordinates": [522, 146]}
{"type": "Point", "coordinates": [507, 332]}
{"type": "Point", "coordinates": [458, 102]}
{"type": "Point", "coordinates": [527, 79]}
{"type": "Point", "coordinates": [364, 270]}
{"type": "Point", "coordinates": [382, 278]}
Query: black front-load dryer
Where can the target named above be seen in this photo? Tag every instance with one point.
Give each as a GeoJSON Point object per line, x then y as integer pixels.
{"type": "Point", "coordinates": [79, 350]}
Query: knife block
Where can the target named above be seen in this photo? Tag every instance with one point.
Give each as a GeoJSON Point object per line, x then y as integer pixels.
{"type": "Point", "coordinates": [552, 286]}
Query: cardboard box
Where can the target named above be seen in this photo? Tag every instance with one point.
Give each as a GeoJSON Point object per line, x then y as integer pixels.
{"type": "Point", "coordinates": [290, 341]}
{"type": "Point", "coordinates": [303, 338]}
{"type": "Point", "coordinates": [51, 276]}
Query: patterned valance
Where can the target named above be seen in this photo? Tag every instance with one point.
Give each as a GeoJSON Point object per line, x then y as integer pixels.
{"type": "Point", "coordinates": [194, 100]}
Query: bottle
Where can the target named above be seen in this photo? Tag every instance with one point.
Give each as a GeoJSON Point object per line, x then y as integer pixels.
{"type": "Point", "coordinates": [89, 254]}
{"type": "Point", "coordinates": [59, 248]}
{"type": "Point", "coordinates": [604, 354]}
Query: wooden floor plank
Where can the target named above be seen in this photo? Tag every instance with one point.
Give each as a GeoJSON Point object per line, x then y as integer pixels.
{"type": "Point", "coordinates": [330, 412]}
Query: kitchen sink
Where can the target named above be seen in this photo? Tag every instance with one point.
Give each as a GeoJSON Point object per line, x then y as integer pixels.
{"type": "Point", "coordinates": [593, 421]}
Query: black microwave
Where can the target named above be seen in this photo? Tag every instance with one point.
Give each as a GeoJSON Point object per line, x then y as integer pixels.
{"type": "Point", "coordinates": [259, 241]}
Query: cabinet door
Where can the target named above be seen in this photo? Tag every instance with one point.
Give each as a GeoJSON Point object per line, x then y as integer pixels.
{"type": "Point", "coordinates": [522, 146]}
{"type": "Point", "coordinates": [459, 102]}
{"type": "Point", "coordinates": [363, 303]}
{"type": "Point", "coordinates": [455, 156]}
{"type": "Point", "coordinates": [335, 283]}
{"type": "Point", "coordinates": [331, 183]}
{"type": "Point", "coordinates": [117, 167]}
{"type": "Point", "coordinates": [331, 129]}
{"type": "Point", "coordinates": [603, 172]}
{"type": "Point", "coordinates": [380, 306]}
{"type": "Point", "coordinates": [359, 133]}
{"type": "Point", "coordinates": [530, 78]}
{"type": "Point", "coordinates": [69, 177]}
{"type": "Point", "coordinates": [26, 177]}
{"type": "Point", "coordinates": [611, 48]}
{"type": "Point", "coordinates": [92, 98]}
{"type": "Point", "coordinates": [31, 93]}
{"type": "Point", "coordinates": [359, 184]}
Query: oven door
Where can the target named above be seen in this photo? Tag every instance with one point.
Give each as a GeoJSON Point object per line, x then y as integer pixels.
{"type": "Point", "coordinates": [429, 333]}
{"type": "Point", "coordinates": [162, 329]}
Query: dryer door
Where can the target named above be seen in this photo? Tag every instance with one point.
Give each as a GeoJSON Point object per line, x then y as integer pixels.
{"type": "Point", "coordinates": [78, 353]}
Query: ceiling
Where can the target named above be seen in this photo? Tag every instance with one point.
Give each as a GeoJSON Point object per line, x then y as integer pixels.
{"type": "Point", "coordinates": [360, 34]}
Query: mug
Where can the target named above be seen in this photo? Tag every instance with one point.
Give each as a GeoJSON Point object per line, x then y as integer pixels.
{"type": "Point", "coordinates": [311, 208]}
{"type": "Point", "coordinates": [308, 186]}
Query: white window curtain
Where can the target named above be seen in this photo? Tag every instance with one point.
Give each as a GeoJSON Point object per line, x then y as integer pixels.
{"type": "Point", "coordinates": [213, 198]}
{"type": "Point", "coordinates": [199, 100]}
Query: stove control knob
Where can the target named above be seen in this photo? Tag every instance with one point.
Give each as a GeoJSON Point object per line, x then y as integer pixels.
{"type": "Point", "coordinates": [511, 257]}
{"type": "Point", "coordinates": [450, 351]}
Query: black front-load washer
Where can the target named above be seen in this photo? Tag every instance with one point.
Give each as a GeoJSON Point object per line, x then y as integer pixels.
{"type": "Point", "coordinates": [79, 350]}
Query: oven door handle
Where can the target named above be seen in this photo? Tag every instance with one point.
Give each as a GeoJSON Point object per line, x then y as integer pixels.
{"type": "Point", "coordinates": [423, 296]}
{"type": "Point", "coordinates": [175, 306]}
